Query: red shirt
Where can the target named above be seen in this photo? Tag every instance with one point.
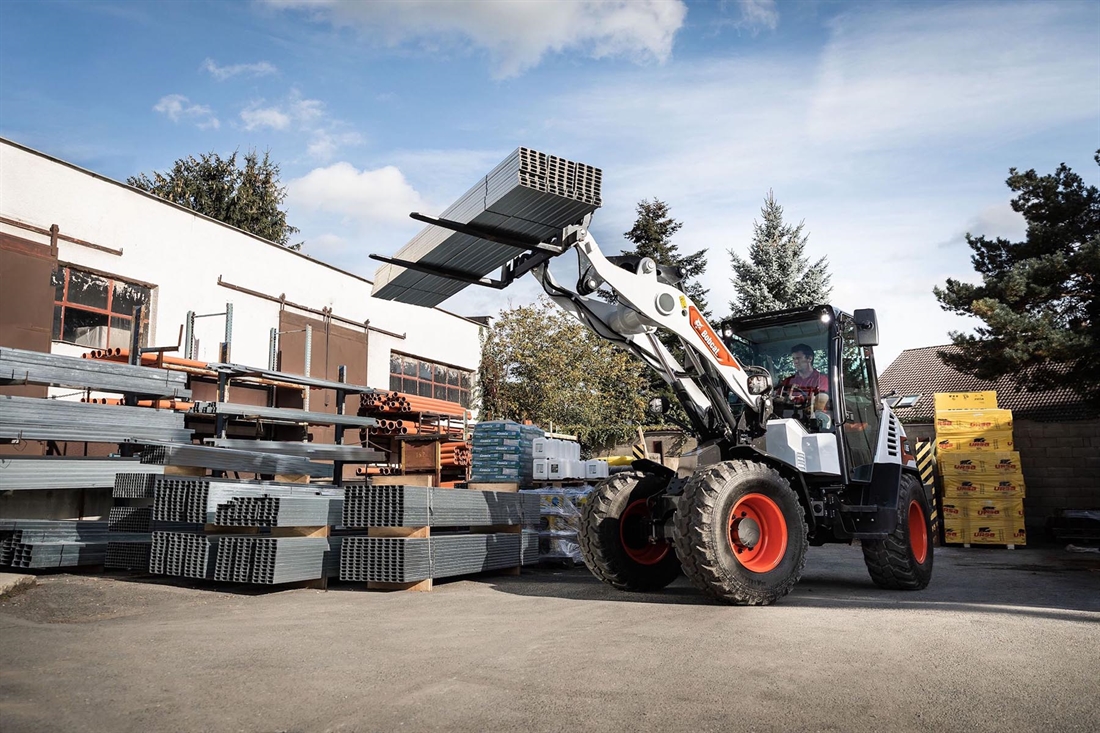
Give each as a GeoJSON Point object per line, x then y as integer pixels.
{"type": "Point", "coordinates": [814, 383]}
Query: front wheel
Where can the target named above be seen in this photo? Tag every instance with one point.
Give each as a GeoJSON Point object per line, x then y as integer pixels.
{"type": "Point", "coordinates": [615, 537]}
{"type": "Point", "coordinates": [741, 533]}
{"type": "Point", "coordinates": [903, 561]}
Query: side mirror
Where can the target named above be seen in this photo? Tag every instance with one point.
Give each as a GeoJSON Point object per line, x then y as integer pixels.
{"type": "Point", "coordinates": [866, 327]}
{"type": "Point", "coordinates": [658, 405]}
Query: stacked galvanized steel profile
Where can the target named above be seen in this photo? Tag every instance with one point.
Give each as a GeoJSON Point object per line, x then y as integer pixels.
{"type": "Point", "coordinates": [282, 414]}
{"type": "Point", "coordinates": [530, 195]}
{"type": "Point", "coordinates": [226, 459]}
{"type": "Point", "coordinates": [418, 506]}
{"type": "Point", "coordinates": [183, 554]}
{"type": "Point", "coordinates": [313, 451]}
{"type": "Point", "coordinates": [275, 560]}
{"type": "Point", "coordinates": [30, 473]}
{"type": "Point", "coordinates": [411, 560]}
{"type": "Point", "coordinates": [32, 367]}
{"type": "Point", "coordinates": [279, 511]}
{"type": "Point", "coordinates": [128, 555]}
{"type": "Point", "coordinates": [29, 418]}
{"type": "Point", "coordinates": [196, 499]}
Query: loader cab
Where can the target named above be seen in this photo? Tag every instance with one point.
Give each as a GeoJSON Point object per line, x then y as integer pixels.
{"type": "Point", "coordinates": [851, 410]}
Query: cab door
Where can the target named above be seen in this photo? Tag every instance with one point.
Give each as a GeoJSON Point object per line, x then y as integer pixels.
{"type": "Point", "coordinates": [860, 410]}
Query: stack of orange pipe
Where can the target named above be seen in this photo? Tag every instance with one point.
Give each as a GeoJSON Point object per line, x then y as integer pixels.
{"type": "Point", "coordinates": [398, 402]}
{"type": "Point", "coordinates": [454, 454]}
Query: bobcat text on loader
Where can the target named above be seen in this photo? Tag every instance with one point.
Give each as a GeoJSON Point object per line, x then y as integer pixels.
{"type": "Point", "coordinates": [783, 463]}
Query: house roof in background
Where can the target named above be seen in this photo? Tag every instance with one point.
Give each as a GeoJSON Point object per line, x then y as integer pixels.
{"type": "Point", "coordinates": [920, 371]}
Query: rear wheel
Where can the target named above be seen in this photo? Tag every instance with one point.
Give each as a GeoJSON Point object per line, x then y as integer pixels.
{"type": "Point", "coordinates": [615, 535]}
{"type": "Point", "coordinates": [903, 561]}
{"type": "Point", "coordinates": [741, 533]}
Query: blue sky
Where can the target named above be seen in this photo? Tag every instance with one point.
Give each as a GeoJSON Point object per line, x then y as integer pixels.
{"type": "Point", "coordinates": [889, 128]}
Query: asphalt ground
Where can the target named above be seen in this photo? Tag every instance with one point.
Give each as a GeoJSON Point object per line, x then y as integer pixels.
{"type": "Point", "coordinates": [1005, 641]}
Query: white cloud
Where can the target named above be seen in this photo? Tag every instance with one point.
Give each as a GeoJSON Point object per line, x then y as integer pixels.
{"type": "Point", "coordinates": [272, 117]}
{"type": "Point", "coordinates": [752, 15]}
{"type": "Point", "coordinates": [380, 195]}
{"type": "Point", "coordinates": [324, 144]}
{"type": "Point", "coordinates": [221, 73]}
{"type": "Point", "coordinates": [517, 35]}
{"type": "Point", "coordinates": [969, 69]}
{"type": "Point", "coordinates": [177, 107]}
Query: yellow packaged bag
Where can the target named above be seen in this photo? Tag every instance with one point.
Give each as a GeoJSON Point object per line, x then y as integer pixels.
{"type": "Point", "coordinates": [985, 442]}
{"type": "Point", "coordinates": [972, 422]}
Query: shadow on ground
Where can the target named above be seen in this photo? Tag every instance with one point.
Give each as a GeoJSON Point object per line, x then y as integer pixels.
{"type": "Point", "coordinates": [1043, 582]}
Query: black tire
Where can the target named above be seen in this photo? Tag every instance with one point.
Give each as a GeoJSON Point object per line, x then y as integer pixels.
{"type": "Point", "coordinates": [903, 561]}
{"type": "Point", "coordinates": [715, 546]}
{"type": "Point", "coordinates": [615, 551]}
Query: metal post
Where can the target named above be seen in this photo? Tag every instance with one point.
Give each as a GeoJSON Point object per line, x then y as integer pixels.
{"type": "Point", "coordinates": [309, 357]}
{"type": "Point", "coordinates": [228, 330]}
{"type": "Point", "coordinates": [273, 349]}
{"type": "Point", "coordinates": [135, 334]}
{"type": "Point", "coordinates": [189, 335]}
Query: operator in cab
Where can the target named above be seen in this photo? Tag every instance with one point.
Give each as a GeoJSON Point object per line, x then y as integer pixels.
{"type": "Point", "coordinates": [808, 386]}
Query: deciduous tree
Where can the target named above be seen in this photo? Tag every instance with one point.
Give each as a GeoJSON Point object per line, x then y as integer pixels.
{"type": "Point", "coordinates": [538, 363]}
{"type": "Point", "coordinates": [247, 196]}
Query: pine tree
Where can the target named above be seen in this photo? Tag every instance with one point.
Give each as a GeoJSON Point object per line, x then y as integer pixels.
{"type": "Point", "coordinates": [777, 274]}
{"type": "Point", "coordinates": [651, 236]}
{"type": "Point", "coordinates": [247, 197]}
{"type": "Point", "coordinates": [1039, 298]}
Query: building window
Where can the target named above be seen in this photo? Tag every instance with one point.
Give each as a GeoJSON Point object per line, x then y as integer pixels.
{"type": "Point", "coordinates": [96, 311]}
{"type": "Point", "coordinates": [411, 375]}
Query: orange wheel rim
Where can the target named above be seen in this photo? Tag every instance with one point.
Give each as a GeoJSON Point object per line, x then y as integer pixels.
{"type": "Point", "coordinates": [634, 525]}
{"type": "Point", "coordinates": [918, 537]}
{"type": "Point", "coordinates": [757, 533]}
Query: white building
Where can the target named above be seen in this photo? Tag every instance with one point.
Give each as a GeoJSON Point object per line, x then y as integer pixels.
{"type": "Point", "coordinates": [108, 246]}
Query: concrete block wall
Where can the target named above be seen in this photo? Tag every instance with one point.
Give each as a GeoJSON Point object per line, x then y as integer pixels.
{"type": "Point", "coordinates": [1061, 463]}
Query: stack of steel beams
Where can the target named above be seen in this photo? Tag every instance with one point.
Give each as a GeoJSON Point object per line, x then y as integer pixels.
{"type": "Point", "coordinates": [280, 511]}
{"type": "Point", "coordinates": [283, 414]}
{"type": "Point", "coordinates": [133, 486]}
{"type": "Point", "coordinates": [63, 472]}
{"type": "Point", "coordinates": [411, 560]}
{"type": "Point", "coordinates": [182, 554]}
{"type": "Point", "coordinates": [225, 459]}
{"type": "Point", "coordinates": [313, 451]}
{"type": "Point", "coordinates": [130, 519]}
{"type": "Point", "coordinates": [29, 418]}
{"type": "Point", "coordinates": [418, 506]}
{"type": "Point", "coordinates": [128, 555]}
{"type": "Point", "coordinates": [271, 560]}
{"type": "Point", "coordinates": [31, 367]}
{"type": "Point", "coordinates": [529, 196]}
{"type": "Point", "coordinates": [57, 554]}
{"type": "Point", "coordinates": [185, 499]}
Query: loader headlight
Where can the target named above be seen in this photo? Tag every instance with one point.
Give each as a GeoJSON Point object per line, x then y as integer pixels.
{"type": "Point", "coordinates": [759, 384]}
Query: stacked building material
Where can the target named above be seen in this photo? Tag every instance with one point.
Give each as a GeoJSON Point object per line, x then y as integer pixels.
{"type": "Point", "coordinates": [420, 506]}
{"type": "Point", "coordinates": [414, 559]}
{"type": "Point", "coordinates": [276, 560]}
{"type": "Point", "coordinates": [19, 473]}
{"type": "Point", "coordinates": [503, 451]}
{"type": "Point", "coordinates": [382, 403]}
{"type": "Point", "coordinates": [560, 460]}
{"type": "Point", "coordinates": [279, 511]}
{"type": "Point", "coordinates": [530, 195]}
{"type": "Point", "coordinates": [983, 485]}
{"type": "Point", "coordinates": [183, 554]}
{"type": "Point", "coordinates": [28, 418]}
{"type": "Point", "coordinates": [196, 499]}
{"type": "Point", "coordinates": [128, 555]}
{"type": "Point", "coordinates": [560, 512]}
{"type": "Point", "coordinates": [228, 459]}
{"type": "Point", "coordinates": [46, 543]}
{"type": "Point", "coordinates": [33, 367]}
{"type": "Point", "coordinates": [455, 454]}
